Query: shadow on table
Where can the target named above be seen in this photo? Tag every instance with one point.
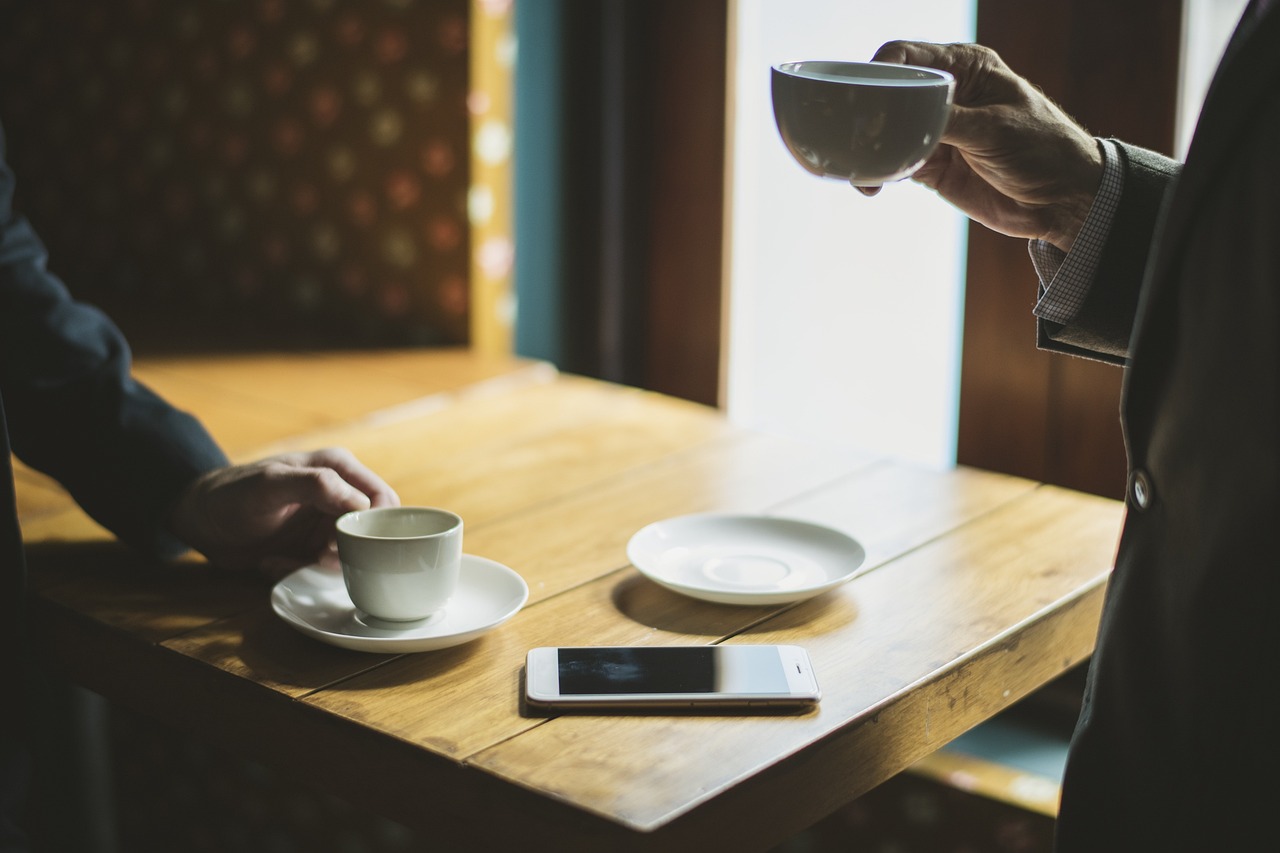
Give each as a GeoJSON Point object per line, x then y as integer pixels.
{"type": "Point", "coordinates": [646, 602]}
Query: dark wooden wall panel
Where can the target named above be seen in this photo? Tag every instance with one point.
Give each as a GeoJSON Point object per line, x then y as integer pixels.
{"type": "Point", "coordinates": [1114, 67]}
{"type": "Point", "coordinates": [643, 192]}
{"type": "Point", "coordinates": [687, 220]}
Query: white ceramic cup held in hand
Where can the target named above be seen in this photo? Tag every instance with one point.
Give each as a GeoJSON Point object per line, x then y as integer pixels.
{"type": "Point", "coordinates": [867, 123]}
{"type": "Point", "coordinates": [400, 564]}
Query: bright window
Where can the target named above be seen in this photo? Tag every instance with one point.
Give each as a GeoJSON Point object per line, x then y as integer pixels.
{"type": "Point", "coordinates": [844, 312]}
{"type": "Point", "coordinates": [1206, 26]}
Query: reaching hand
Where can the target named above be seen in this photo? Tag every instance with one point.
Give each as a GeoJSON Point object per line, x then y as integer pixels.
{"type": "Point", "coordinates": [276, 514]}
{"type": "Point", "coordinates": [1010, 157]}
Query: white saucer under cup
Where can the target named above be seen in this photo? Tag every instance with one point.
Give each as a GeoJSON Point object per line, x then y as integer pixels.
{"type": "Point", "coordinates": [398, 625]}
{"type": "Point", "coordinates": [745, 559]}
{"type": "Point", "coordinates": [314, 601]}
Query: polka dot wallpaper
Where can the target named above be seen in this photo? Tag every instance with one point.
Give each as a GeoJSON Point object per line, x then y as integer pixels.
{"type": "Point", "coordinates": [297, 170]}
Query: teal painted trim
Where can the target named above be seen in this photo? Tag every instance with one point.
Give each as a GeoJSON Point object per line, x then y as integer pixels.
{"type": "Point", "coordinates": [1016, 744]}
{"type": "Point", "coordinates": [539, 180]}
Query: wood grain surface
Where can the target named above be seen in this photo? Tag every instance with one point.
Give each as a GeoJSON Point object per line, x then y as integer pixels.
{"type": "Point", "coordinates": [977, 589]}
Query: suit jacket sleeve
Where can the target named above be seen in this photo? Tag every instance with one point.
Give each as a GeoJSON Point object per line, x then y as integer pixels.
{"type": "Point", "coordinates": [72, 408]}
{"type": "Point", "coordinates": [1103, 326]}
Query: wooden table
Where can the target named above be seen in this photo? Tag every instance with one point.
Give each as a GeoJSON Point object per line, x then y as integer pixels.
{"type": "Point", "coordinates": [977, 589]}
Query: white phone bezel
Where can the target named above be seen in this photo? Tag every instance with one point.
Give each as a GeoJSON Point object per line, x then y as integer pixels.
{"type": "Point", "coordinates": [542, 687]}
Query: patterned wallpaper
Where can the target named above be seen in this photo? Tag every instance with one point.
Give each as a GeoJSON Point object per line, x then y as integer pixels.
{"type": "Point", "coordinates": [288, 169]}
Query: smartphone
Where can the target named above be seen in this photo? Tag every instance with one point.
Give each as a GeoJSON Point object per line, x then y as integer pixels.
{"type": "Point", "coordinates": [621, 677]}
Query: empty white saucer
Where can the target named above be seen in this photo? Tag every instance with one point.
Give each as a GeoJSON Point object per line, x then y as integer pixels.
{"type": "Point", "coordinates": [314, 600]}
{"type": "Point", "coordinates": [745, 559]}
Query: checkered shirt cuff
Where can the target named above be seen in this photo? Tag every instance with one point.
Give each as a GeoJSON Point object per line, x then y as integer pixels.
{"type": "Point", "coordinates": [1065, 277]}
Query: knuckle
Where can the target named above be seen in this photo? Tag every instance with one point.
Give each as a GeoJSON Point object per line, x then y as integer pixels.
{"type": "Point", "coordinates": [332, 455]}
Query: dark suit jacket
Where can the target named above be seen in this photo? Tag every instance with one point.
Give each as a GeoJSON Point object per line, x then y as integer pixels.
{"type": "Point", "coordinates": [69, 408]}
{"type": "Point", "coordinates": [1176, 746]}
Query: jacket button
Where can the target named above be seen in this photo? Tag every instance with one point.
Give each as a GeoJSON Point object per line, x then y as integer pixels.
{"type": "Point", "coordinates": [1141, 493]}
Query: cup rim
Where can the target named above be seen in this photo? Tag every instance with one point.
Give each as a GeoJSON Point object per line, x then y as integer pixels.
{"type": "Point", "coordinates": [937, 77]}
{"type": "Point", "coordinates": [344, 522]}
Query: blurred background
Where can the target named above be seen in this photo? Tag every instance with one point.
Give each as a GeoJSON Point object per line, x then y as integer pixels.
{"type": "Point", "coordinates": [597, 183]}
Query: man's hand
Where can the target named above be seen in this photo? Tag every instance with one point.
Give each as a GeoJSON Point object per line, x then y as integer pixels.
{"type": "Point", "coordinates": [276, 514]}
{"type": "Point", "coordinates": [1010, 158]}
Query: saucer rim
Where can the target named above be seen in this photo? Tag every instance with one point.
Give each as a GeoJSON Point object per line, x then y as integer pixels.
{"type": "Point", "coordinates": [720, 595]}
{"type": "Point", "coordinates": [395, 644]}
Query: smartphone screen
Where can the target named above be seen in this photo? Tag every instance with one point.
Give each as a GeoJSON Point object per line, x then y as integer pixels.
{"type": "Point", "coordinates": [602, 676]}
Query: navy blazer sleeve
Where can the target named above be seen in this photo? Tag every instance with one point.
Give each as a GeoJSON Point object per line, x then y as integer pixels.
{"type": "Point", "coordinates": [72, 408]}
{"type": "Point", "coordinates": [1103, 326]}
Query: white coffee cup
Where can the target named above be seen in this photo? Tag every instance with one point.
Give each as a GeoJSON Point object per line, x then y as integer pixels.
{"type": "Point", "coordinates": [400, 564]}
{"type": "Point", "coordinates": [867, 123]}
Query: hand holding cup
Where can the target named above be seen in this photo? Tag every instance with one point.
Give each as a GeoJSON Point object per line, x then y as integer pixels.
{"type": "Point", "coordinates": [1010, 157]}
